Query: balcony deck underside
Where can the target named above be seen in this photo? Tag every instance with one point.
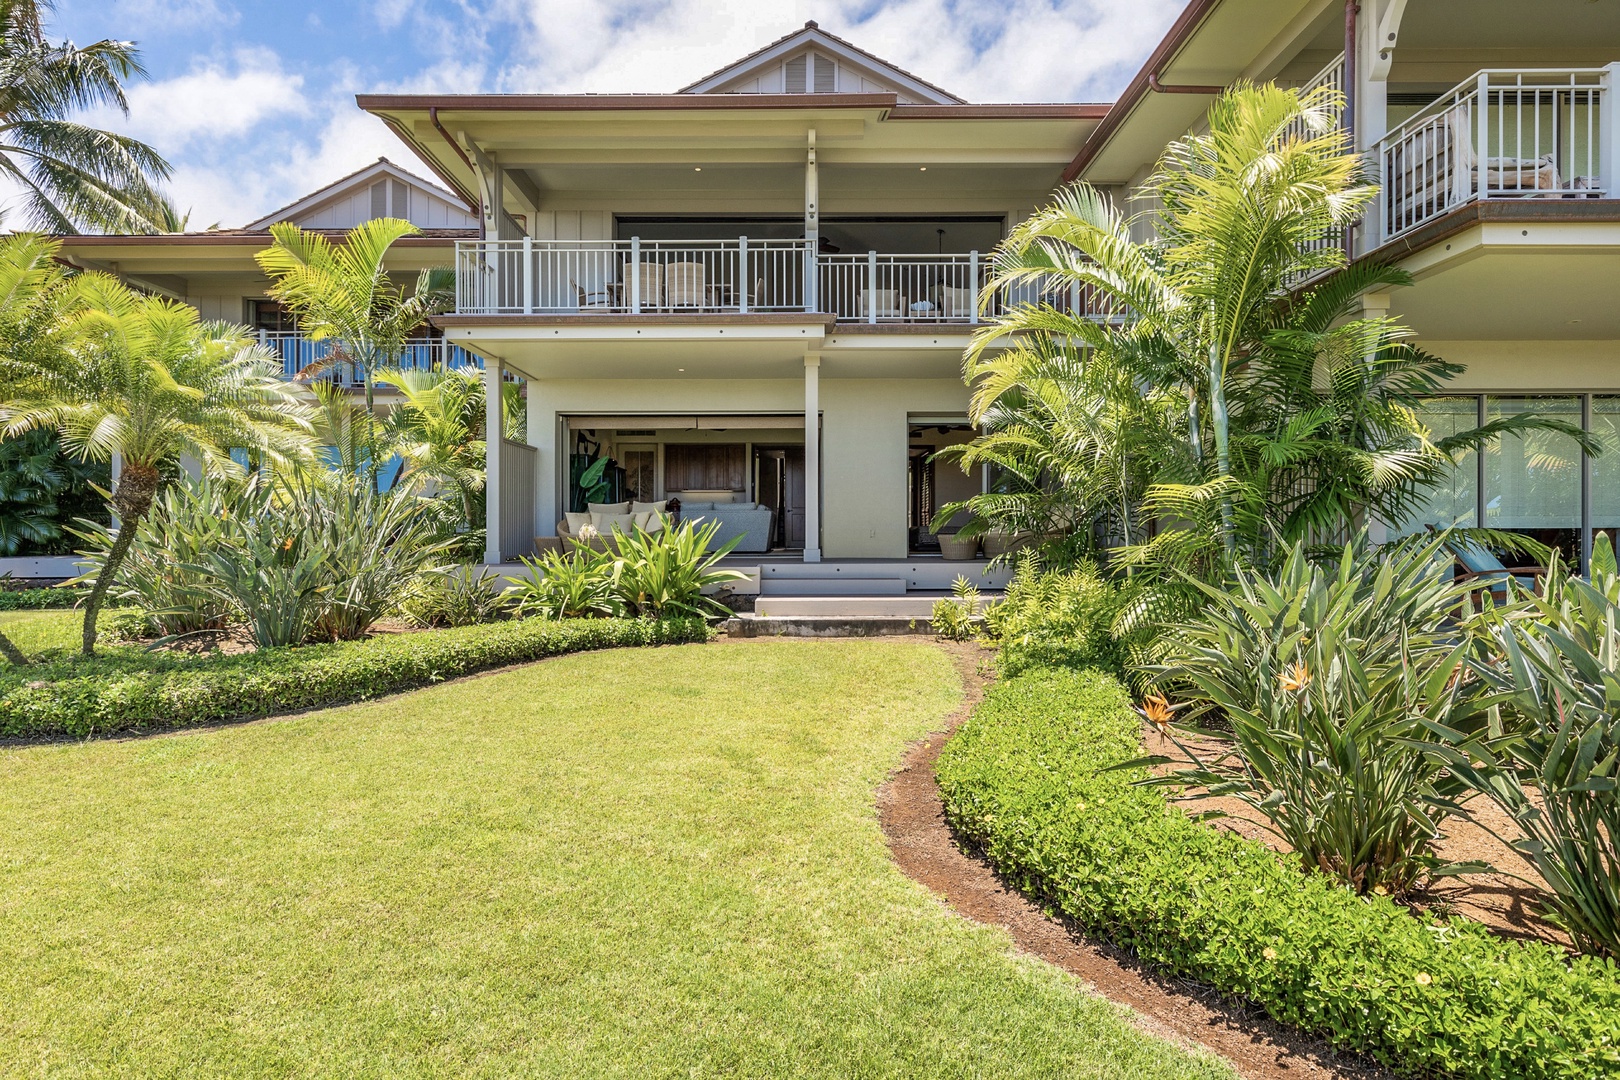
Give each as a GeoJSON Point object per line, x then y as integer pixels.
{"type": "Point", "coordinates": [1524, 270]}
{"type": "Point", "coordinates": [762, 346]}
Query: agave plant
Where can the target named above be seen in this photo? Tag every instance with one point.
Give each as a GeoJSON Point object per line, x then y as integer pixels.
{"type": "Point", "coordinates": [1554, 666]}
{"type": "Point", "coordinates": [1328, 677]}
{"type": "Point", "coordinates": [665, 573]}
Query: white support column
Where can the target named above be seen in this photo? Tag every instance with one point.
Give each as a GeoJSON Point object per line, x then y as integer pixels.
{"type": "Point", "coordinates": [812, 224]}
{"type": "Point", "coordinates": [812, 457]}
{"type": "Point", "coordinates": [493, 371]}
{"type": "Point", "coordinates": [1609, 138]}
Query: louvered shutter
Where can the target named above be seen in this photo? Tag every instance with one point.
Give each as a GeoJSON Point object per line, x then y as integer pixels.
{"type": "Point", "coordinates": [402, 200]}
{"type": "Point", "coordinates": [379, 199]}
{"type": "Point", "coordinates": [795, 71]}
{"type": "Point", "coordinates": [826, 76]}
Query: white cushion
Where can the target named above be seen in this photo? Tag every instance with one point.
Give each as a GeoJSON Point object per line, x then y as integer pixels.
{"type": "Point", "coordinates": [576, 522]}
{"type": "Point", "coordinates": [688, 507]}
{"type": "Point", "coordinates": [650, 522]}
{"type": "Point", "coordinates": [646, 507]}
{"type": "Point", "coordinates": [605, 523]}
{"type": "Point", "coordinates": [609, 508]}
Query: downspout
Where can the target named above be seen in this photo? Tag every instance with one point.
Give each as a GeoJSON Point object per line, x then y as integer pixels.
{"type": "Point", "coordinates": [1161, 88]}
{"type": "Point", "coordinates": [433, 118]}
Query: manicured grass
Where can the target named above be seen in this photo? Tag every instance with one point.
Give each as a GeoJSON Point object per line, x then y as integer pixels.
{"type": "Point", "coordinates": [35, 631]}
{"type": "Point", "coordinates": [645, 862]}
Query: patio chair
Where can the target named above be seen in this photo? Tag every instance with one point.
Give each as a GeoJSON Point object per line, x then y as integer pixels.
{"type": "Point", "coordinates": [956, 303]}
{"type": "Point", "coordinates": [684, 285]}
{"type": "Point", "coordinates": [888, 303]}
{"type": "Point", "coordinates": [651, 277]}
{"type": "Point", "coordinates": [1482, 567]}
{"type": "Point", "coordinates": [599, 300]}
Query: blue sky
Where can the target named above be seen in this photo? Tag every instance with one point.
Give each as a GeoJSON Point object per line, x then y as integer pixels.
{"type": "Point", "coordinates": [252, 101]}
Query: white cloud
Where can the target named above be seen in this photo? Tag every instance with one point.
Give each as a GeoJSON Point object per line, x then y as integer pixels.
{"type": "Point", "coordinates": [171, 16]}
{"type": "Point", "coordinates": [215, 100]}
{"type": "Point", "coordinates": [1019, 50]}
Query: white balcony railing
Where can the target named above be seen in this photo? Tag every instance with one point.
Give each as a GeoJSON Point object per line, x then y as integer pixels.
{"type": "Point", "coordinates": [1500, 135]}
{"type": "Point", "coordinates": [544, 277]}
{"type": "Point", "coordinates": [527, 277]}
{"type": "Point", "coordinates": [298, 352]}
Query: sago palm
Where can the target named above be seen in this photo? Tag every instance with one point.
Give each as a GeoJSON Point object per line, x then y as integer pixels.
{"type": "Point", "coordinates": [72, 176]}
{"type": "Point", "coordinates": [344, 292]}
{"type": "Point", "coordinates": [139, 377]}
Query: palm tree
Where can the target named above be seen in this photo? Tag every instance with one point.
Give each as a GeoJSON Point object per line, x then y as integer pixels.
{"type": "Point", "coordinates": [1224, 396]}
{"type": "Point", "coordinates": [170, 219]}
{"type": "Point", "coordinates": [343, 292]}
{"type": "Point", "coordinates": [73, 176]}
{"type": "Point", "coordinates": [142, 377]}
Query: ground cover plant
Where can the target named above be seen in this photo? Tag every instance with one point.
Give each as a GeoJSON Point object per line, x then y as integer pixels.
{"type": "Point", "coordinates": [651, 864]}
{"type": "Point", "coordinates": [38, 599]}
{"type": "Point", "coordinates": [1035, 779]}
{"type": "Point", "coordinates": [127, 688]}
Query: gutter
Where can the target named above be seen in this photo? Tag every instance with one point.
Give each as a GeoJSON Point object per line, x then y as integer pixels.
{"type": "Point", "coordinates": [1142, 84]}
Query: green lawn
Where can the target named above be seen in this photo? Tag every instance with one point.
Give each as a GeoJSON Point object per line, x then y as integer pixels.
{"type": "Point", "coordinates": [640, 863]}
{"type": "Point", "coordinates": [36, 630]}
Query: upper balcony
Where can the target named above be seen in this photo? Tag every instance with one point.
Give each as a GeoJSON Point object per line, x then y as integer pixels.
{"type": "Point", "coordinates": [298, 354]}
{"type": "Point", "coordinates": [735, 277]}
{"type": "Point", "coordinates": [1543, 134]}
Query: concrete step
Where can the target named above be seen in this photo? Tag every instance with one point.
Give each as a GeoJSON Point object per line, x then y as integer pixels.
{"type": "Point", "coordinates": [898, 605]}
{"type": "Point", "coordinates": [871, 586]}
{"type": "Point", "coordinates": [792, 578]}
{"type": "Point", "coordinates": [750, 626]}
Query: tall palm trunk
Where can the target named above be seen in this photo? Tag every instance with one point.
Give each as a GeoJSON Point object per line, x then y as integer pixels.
{"type": "Point", "coordinates": [132, 500]}
{"type": "Point", "coordinates": [1223, 457]}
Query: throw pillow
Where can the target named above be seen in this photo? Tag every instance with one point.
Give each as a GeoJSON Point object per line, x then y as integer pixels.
{"type": "Point", "coordinates": [650, 522]}
{"type": "Point", "coordinates": [576, 522]}
{"type": "Point", "coordinates": [609, 508]}
{"type": "Point", "coordinates": [605, 522]}
{"type": "Point", "coordinates": [646, 507]}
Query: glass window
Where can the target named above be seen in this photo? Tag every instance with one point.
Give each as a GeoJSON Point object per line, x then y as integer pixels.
{"type": "Point", "coordinates": [1455, 500]}
{"type": "Point", "coordinates": [1533, 480]}
{"type": "Point", "coordinates": [1605, 474]}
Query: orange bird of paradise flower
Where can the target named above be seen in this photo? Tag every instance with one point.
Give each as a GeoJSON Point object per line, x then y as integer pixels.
{"type": "Point", "coordinates": [1296, 677]}
{"type": "Point", "coordinates": [1157, 711]}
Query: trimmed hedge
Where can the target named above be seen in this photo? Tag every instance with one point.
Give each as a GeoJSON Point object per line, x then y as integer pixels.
{"type": "Point", "coordinates": [146, 691]}
{"type": "Point", "coordinates": [40, 599]}
{"type": "Point", "coordinates": [1024, 778]}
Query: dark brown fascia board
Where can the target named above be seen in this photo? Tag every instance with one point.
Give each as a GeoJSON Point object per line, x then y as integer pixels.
{"type": "Point", "coordinates": [1052, 111]}
{"type": "Point", "coordinates": [1186, 24]}
{"type": "Point", "coordinates": [618, 102]}
{"type": "Point", "coordinates": [1482, 212]}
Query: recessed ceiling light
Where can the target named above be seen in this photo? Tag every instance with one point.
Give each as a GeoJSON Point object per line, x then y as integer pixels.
{"type": "Point", "coordinates": [680, 369]}
{"type": "Point", "coordinates": [922, 168]}
{"type": "Point", "coordinates": [698, 168]}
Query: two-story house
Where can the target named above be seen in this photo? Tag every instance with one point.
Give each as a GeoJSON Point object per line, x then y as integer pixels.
{"type": "Point", "coordinates": [757, 288]}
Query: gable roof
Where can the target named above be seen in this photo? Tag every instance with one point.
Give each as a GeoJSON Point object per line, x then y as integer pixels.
{"type": "Point", "coordinates": [360, 178]}
{"type": "Point", "coordinates": [811, 35]}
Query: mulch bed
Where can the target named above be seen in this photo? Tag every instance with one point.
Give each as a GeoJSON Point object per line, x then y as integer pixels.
{"type": "Point", "coordinates": [1502, 901]}
{"type": "Point", "coordinates": [913, 820]}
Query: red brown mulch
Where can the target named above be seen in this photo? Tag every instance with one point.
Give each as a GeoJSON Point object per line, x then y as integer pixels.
{"type": "Point", "coordinates": [913, 821]}
{"type": "Point", "coordinates": [1506, 904]}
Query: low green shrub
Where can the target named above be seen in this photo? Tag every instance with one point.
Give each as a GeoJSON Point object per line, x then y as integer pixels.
{"type": "Point", "coordinates": [73, 697]}
{"type": "Point", "coordinates": [456, 596]}
{"type": "Point", "coordinates": [578, 584]}
{"type": "Point", "coordinates": [957, 617]}
{"type": "Point", "coordinates": [1054, 618]}
{"type": "Point", "coordinates": [51, 599]}
{"type": "Point", "coordinates": [1032, 779]}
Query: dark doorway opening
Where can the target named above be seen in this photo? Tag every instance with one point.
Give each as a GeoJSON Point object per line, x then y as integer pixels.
{"type": "Point", "coordinates": [779, 484]}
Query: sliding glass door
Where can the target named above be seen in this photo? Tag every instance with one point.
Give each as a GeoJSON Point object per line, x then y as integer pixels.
{"type": "Point", "coordinates": [1539, 483]}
